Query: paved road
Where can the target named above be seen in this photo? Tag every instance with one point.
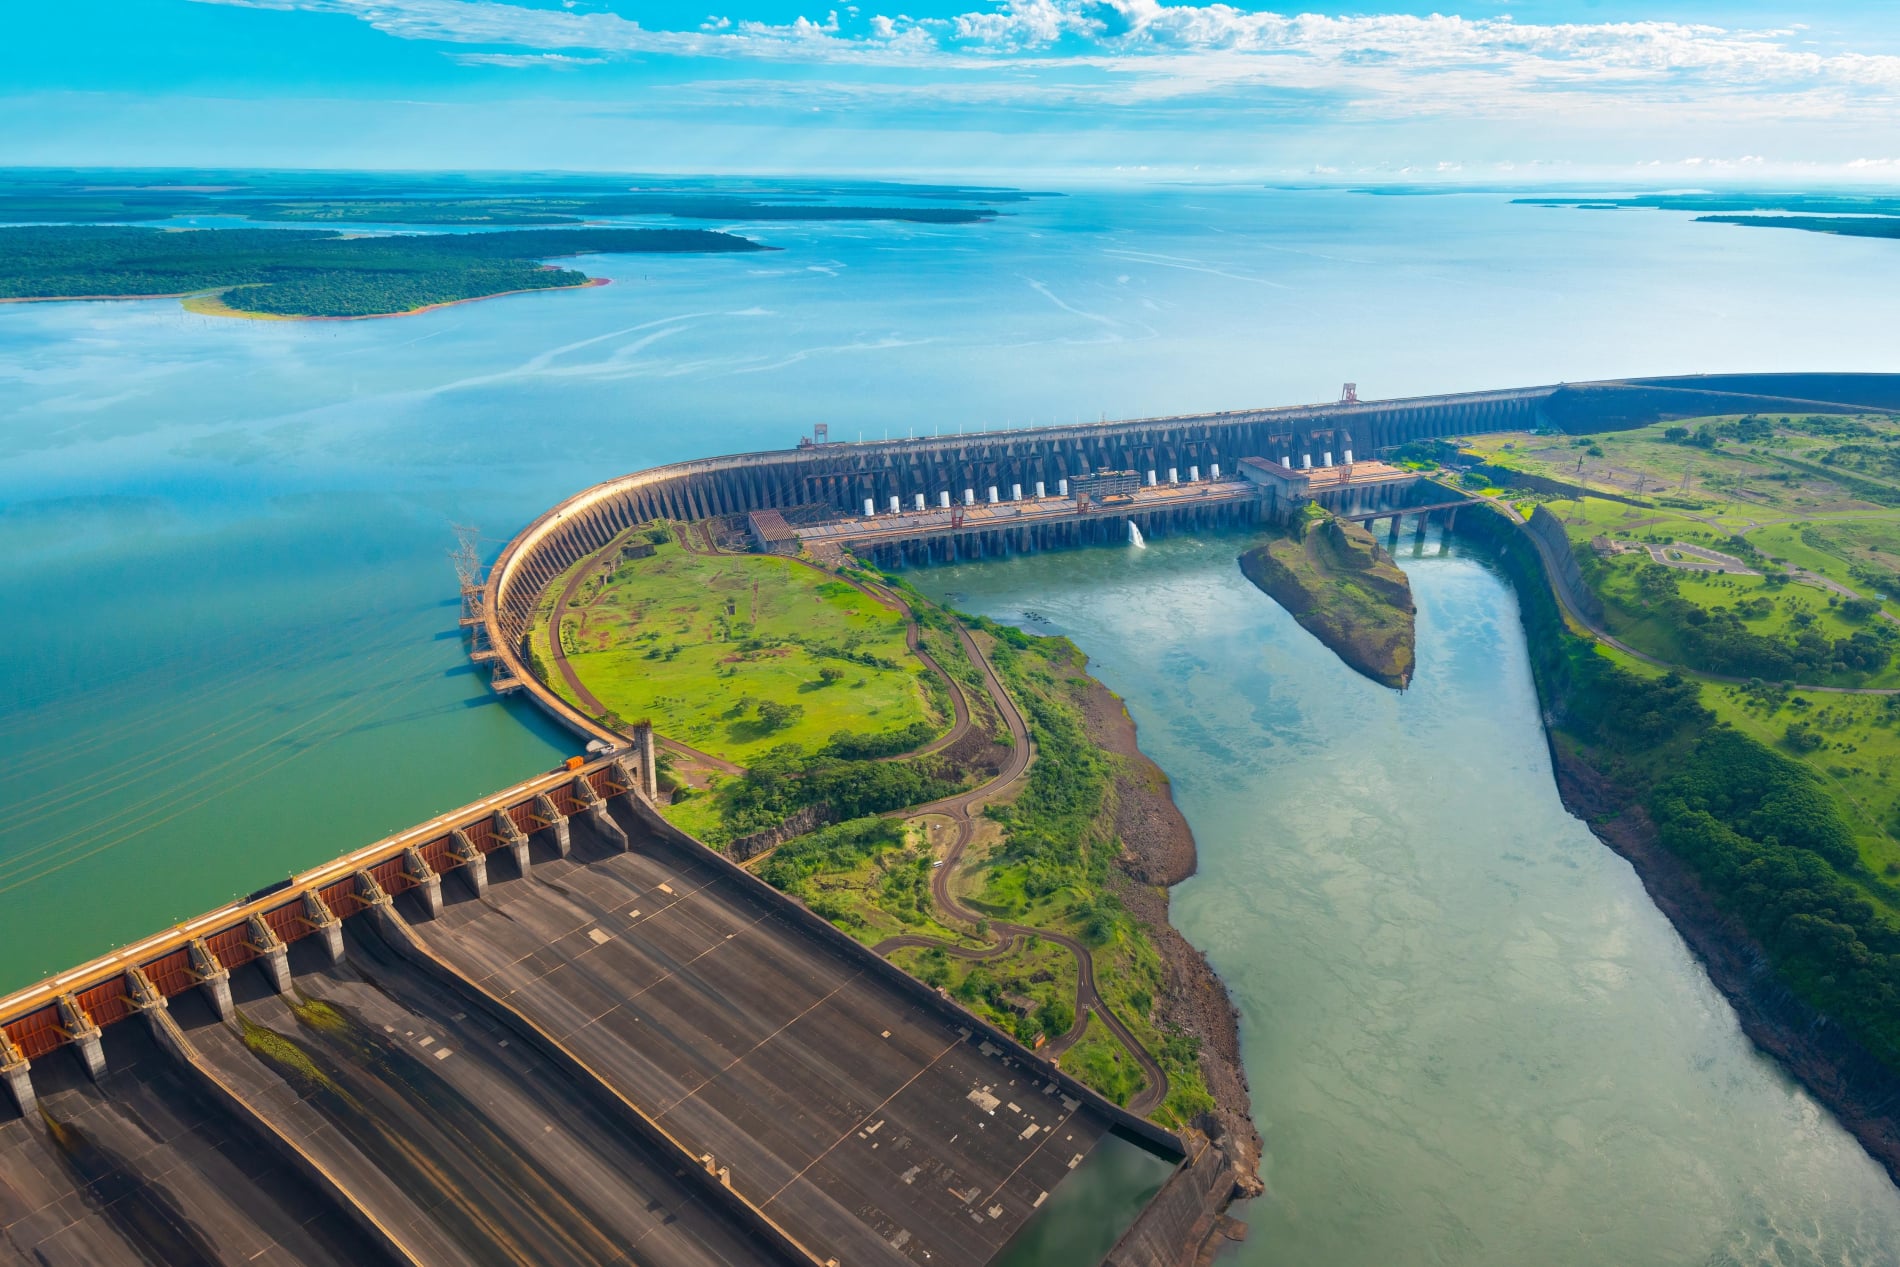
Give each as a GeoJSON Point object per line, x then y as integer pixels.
{"type": "Point", "coordinates": [961, 809]}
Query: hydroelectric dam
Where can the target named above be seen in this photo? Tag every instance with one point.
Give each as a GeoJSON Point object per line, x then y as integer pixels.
{"type": "Point", "coordinates": [548, 1027]}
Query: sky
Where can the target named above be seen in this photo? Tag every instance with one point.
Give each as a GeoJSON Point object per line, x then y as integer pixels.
{"type": "Point", "coordinates": [1665, 92]}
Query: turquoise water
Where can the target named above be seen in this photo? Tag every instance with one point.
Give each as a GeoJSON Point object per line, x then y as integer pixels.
{"type": "Point", "coordinates": [232, 644]}
{"type": "Point", "coordinates": [1470, 1036]}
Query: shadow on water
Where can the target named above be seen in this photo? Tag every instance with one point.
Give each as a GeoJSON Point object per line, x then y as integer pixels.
{"type": "Point", "coordinates": [1089, 1211]}
{"type": "Point", "coordinates": [141, 1212]}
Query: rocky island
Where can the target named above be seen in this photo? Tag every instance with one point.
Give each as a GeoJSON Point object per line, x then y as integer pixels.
{"type": "Point", "coordinates": [1344, 590]}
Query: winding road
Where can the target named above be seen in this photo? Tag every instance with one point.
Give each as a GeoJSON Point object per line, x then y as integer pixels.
{"type": "Point", "coordinates": [961, 809]}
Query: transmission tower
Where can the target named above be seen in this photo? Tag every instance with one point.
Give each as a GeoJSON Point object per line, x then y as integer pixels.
{"type": "Point", "coordinates": [467, 556]}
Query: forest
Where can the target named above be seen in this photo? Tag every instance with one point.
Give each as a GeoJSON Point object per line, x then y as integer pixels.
{"type": "Point", "coordinates": [296, 273]}
{"type": "Point", "coordinates": [371, 198]}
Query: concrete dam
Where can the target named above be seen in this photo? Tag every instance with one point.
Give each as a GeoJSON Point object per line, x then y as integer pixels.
{"type": "Point", "coordinates": [548, 1027]}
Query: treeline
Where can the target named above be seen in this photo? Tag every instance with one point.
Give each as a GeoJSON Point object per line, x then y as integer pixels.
{"type": "Point", "coordinates": [95, 207]}
{"type": "Point", "coordinates": [840, 847]}
{"type": "Point", "coordinates": [1846, 226]}
{"type": "Point", "coordinates": [1760, 832]}
{"type": "Point", "coordinates": [315, 274]}
{"type": "Point", "coordinates": [787, 778]}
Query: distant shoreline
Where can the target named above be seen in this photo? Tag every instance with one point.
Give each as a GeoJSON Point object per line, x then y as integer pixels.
{"type": "Point", "coordinates": [210, 303]}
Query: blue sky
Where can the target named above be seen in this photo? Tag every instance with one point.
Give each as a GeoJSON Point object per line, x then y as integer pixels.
{"type": "Point", "coordinates": [1671, 91]}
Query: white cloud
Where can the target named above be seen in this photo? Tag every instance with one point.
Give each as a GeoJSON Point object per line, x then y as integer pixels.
{"type": "Point", "coordinates": [1134, 51]}
{"type": "Point", "coordinates": [525, 59]}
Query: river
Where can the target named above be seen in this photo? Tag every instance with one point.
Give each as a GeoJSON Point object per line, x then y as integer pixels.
{"type": "Point", "coordinates": [232, 649]}
{"type": "Point", "coordinates": [1471, 1038]}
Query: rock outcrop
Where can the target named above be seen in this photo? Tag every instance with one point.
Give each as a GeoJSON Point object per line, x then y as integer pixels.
{"type": "Point", "coordinates": [1344, 590]}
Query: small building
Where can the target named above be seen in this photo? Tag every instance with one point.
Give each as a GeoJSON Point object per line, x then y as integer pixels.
{"type": "Point", "coordinates": [1103, 484]}
{"type": "Point", "coordinates": [1289, 480]}
{"type": "Point", "coordinates": [770, 533]}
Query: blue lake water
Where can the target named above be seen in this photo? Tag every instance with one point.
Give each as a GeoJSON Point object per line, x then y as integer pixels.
{"type": "Point", "coordinates": [223, 544]}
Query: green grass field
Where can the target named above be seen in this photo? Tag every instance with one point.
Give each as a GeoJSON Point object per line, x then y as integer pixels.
{"type": "Point", "coordinates": [1813, 501]}
{"type": "Point", "coordinates": [1743, 474]}
{"type": "Point", "coordinates": [734, 654]}
{"type": "Point", "coordinates": [1771, 610]}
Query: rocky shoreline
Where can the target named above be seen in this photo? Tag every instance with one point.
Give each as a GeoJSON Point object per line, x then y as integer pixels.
{"type": "Point", "coordinates": [1336, 581]}
{"type": "Point", "coordinates": [1158, 853]}
{"type": "Point", "coordinates": [1860, 1091]}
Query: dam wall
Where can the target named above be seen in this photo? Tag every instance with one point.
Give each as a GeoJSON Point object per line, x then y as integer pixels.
{"type": "Point", "coordinates": [816, 482]}
{"type": "Point", "coordinates": [827, 481]}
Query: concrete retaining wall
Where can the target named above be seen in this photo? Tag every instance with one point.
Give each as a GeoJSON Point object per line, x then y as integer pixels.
{"type": "Point", "coordinates": [1555, 546]}
{"type": "Point", "coordinates": [1177, 1223]}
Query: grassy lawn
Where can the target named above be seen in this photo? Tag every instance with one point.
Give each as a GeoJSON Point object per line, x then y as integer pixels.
{"type": "Point", "coordinates": [1765, 607]}
{"type": "Point", "coordinates": [735, 654]}
{"type": "Point", "coordinates": [1804, 499]}
{"type": "Point", "coordinates": [1858, 550]}
{"type": "Point", "coordinates": [1102, 1063]}
{"type": "Point", "coordinates": [1852, 742]}
{"type": "Point", "coordinates": [1746, 475]}
{"type": "Point", "coordinates": [1029, 992]}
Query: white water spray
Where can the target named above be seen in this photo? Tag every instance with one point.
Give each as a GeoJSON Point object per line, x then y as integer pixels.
{"type": "Point", "coordinates": [1134, 536]}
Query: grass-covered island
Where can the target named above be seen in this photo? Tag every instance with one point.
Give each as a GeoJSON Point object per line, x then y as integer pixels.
{"type": "Point", "coordinates": [1710, 605]}
{"type": "Point", "coordinates": [297, 273]}
{"type": "Point", "coordinates": [958, 795]}
{"type": "Point", "coordinates": [1336, 581]}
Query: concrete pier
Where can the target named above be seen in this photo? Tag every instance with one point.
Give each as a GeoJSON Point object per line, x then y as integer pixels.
{"type": "Point", "coordinates": [513, 839]}
{"type": "Point", "coordinates": [325, 922]}
{"type": "Point", "coordinates": [425, 881]}
{"type": "Point", "coordinates": [550, 818]}
{"type": "Point", "coordinates": [213, 977]}
{"type": "Point", "coordinates": [270, 953]}
{"type": "Point", "coordinates": [596, 807]}
{"type": "Point", "coordinates": [83, 1034]}
{"type": "Point", "coordinates": [470, 862]}
{"type": "Point", "coordinates": [15, 1071]}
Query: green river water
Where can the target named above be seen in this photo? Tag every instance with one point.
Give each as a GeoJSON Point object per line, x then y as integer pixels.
{"type": "Point", "coordinates": [1471, 1037]}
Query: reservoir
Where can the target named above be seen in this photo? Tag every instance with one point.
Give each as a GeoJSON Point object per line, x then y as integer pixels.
{"type": "Point", "coordinates": [1471, 1037]}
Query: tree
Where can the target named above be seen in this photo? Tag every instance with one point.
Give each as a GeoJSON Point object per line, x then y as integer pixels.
{"type": "Point", "coordinates": [775, 715]}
